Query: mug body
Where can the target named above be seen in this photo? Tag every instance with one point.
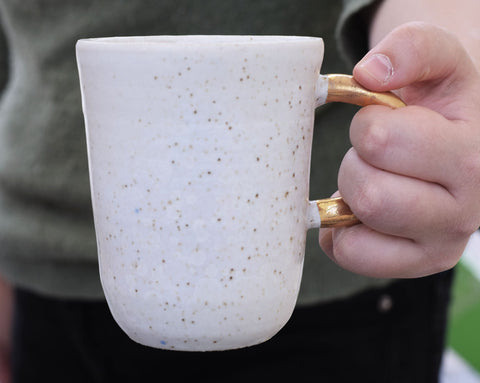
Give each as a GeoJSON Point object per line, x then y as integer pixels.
{"type": "Point", "coordinates": [199, 156]}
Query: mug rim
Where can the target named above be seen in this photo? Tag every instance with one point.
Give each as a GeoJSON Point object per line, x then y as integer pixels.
{"type": "Point", "coordinates": [196, 40]}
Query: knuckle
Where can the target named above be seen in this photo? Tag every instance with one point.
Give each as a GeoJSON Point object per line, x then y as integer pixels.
{"type": "Point", "coordinates": [375, 141]}
{"type": "Point", "coordinates": [369, 135]}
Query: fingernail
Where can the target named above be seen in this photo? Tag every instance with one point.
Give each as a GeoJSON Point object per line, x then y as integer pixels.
{"type": "Point", "coordinates": [379, 67]}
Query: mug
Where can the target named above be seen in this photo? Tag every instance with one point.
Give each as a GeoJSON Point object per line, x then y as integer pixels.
{"type": "Point", "coordinates": [199, 158]}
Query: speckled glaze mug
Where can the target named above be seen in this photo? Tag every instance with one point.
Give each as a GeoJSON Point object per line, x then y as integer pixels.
{"type": "Point", "coordinates": [199, 154]}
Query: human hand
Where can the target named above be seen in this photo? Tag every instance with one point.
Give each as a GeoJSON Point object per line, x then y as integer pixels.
{"type": "Point", "coordinates": [413, 174]}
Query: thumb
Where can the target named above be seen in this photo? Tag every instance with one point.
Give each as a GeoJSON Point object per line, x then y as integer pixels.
{"type": "Point", "coordinates": [427, 64]}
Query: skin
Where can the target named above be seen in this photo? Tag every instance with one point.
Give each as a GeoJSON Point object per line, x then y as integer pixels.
{"type": "Point", "coordinates": [413, 174]}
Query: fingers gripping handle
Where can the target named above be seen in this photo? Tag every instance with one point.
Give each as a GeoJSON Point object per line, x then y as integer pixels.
{"type": "Point", "coordinates": [334, 212]}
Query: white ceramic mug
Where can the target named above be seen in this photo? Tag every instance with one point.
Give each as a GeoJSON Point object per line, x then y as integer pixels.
{"type": "Point", "coordinates": [199, 154]}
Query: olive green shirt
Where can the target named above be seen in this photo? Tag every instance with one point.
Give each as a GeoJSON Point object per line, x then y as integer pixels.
{"type": "Point", "coordinates": [47, 238]}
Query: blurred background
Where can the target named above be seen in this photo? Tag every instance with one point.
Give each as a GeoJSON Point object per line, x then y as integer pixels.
{"type": "Point", "coordinates": [462, 357]}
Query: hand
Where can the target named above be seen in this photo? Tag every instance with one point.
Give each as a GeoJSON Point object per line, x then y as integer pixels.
{"type": "Point", "coordinates": [413, 174]}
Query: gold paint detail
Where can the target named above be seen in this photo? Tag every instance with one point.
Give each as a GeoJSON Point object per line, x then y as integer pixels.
{"type": "Point", "coordinates": [344, 88]}
{"type": "Point", "coordinates": [334, 212]}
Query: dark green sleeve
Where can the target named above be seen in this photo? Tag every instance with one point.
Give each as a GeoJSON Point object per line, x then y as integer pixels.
{"type": "Point", "coordinates": [3, 60]}
{"type": "Point", "coordinates": [352, 28]}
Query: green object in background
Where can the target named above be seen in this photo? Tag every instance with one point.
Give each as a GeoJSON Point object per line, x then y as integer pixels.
{"type": "Point", "coordinates": [464, 327]}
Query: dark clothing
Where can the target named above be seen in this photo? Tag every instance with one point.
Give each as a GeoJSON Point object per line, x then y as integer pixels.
{"type": "Point", "coordinates": [393, 335]}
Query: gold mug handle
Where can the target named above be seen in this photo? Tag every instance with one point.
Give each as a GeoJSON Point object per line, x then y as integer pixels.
{"type": "Point", "coordinates": [334, 212]}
